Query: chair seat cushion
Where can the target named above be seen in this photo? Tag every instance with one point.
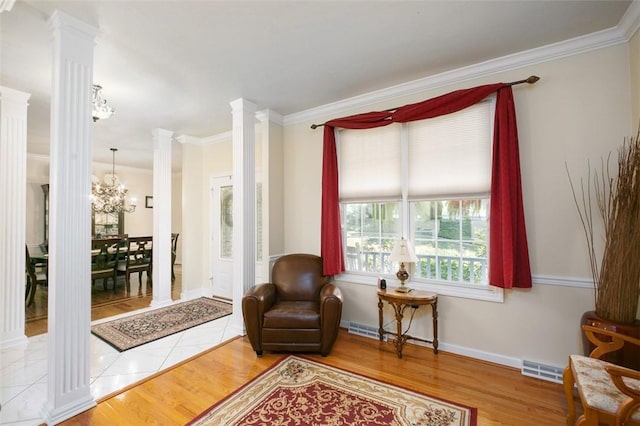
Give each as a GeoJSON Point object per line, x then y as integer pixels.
{"type": "Point", "coordinates": [287, 314]}
{"type": "Point", "coordinates": [596, 387]}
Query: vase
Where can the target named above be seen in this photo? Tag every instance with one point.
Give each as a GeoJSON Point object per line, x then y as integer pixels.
{"type": "Point", "coordinates": [629, 355]}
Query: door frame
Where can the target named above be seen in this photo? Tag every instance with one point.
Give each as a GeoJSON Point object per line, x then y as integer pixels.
{"type": "Point", "coordinates": [216, 181]}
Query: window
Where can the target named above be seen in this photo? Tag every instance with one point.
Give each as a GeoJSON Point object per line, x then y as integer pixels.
{"type": "Point", "coordinates": [426, 180]}
{"type": "Point", "coordinates": [450, 239]}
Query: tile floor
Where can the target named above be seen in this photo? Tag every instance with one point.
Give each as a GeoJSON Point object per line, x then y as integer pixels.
{"type": "Point", "coordinates": [23, 369]}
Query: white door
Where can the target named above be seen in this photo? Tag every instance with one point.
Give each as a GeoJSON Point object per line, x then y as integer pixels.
{"type": "Point", "coordinates": [222, 236]}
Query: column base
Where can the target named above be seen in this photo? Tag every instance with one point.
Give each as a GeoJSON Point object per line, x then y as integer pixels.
{"type": "Point", "coordinates": [54, 415]}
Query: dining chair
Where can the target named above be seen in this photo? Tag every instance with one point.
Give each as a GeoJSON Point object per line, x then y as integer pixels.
{"type": "Point", "coordinates": [174, 250]}
{"type": "Point", "coordinates": [138, 259]}
{"type": "Point", "coordinates": [36, 274]}
{"type": "Point", "coordinates": [105, 255]}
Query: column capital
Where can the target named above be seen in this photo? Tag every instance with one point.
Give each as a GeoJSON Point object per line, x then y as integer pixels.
{"type": "Point", "coordinates": [61, 21]}
{"type": "Point", "coordinates": [242, 104]}
{"type": "Point", "coordinates": [270, 115]}
{"type": "Point", "coordinates": [161, 133]}
{"type": "Point", "coordinates": [7, 94]}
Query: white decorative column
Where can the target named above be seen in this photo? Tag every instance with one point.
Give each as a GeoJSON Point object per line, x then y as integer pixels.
{"type": "Point", "coordinates": [70, 219]}
{"type": "Point", "coordinates": [161, 217]}
{"type": "Point", "coordinates": [244, 205]}
{"type": "Point", "coordinates": [13, 178]}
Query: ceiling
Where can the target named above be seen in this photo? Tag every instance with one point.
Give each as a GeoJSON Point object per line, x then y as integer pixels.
{"type": "Point", "coordinates": [176, 65]}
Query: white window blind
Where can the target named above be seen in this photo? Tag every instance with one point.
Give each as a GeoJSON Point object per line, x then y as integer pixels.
{"type": "Point", "coordinates": [450, 155]}
{"type": "Point", "coordinates": [369, 164]}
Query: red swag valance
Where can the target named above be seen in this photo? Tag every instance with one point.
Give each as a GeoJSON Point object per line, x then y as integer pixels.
{"type": "Point", "coordinates": [508, 251]}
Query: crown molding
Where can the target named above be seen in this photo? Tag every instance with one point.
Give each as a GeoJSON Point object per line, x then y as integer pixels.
{"type": "Point", "coordinates": [220, 137]}
{"type": "Point", "coordinates": [188, 140]}
{"type": "Point", "coordinates": [6, 5]}
{"type": "Point", "coordinates": [209, 140]}
{"type": "Point", "coordinates": [575, 46]}
{"type": "Point", "coordinates": [630, 21]}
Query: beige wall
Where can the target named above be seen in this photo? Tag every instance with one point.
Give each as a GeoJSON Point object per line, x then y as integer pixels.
{"type": "Point", "coordinates": [274, 188]}
{"type": "Point", "coordinates": [193, 238]}
{"type": "Point", "coordinates": [634, 55]}
{"type": "Point", "coordinates": [201, 161]}
{"type": "Point", "coordinates": [579, 110]}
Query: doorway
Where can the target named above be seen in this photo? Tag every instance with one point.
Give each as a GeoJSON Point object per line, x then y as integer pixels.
{"type": "Point", "coordinates": [222, 237]}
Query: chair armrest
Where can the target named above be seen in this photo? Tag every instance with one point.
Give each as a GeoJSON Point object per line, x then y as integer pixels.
{"type": "Point", "coordinates": [632, 404]}
{"type": "Point", "coordinates": [330, 306]}
{"type": "Point", "coordinates": [263, 294]}
{"type": "Point", "coordinates": [255, 302]}
{"type": "Point", "coordinates": [618, 373]}
{"type": "Point", "coordinates": [330, 315]}
{"type": "Point", "coordinates": [330, 291]}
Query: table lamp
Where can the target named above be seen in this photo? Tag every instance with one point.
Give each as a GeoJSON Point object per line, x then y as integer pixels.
{"type": "Point", "coordinates": [403, 253]}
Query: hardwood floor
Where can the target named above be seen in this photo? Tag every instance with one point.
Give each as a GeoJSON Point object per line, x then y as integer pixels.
{"type": "Point", "coordinates": [502, 395]}
{"type": "Point", "coordinates": [104, 303]}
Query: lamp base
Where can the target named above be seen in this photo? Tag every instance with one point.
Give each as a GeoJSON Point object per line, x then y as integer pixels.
{"type": "Point", "coordinates": [402, 276]}
{"type": "Point", "coordinates": [403, 289]}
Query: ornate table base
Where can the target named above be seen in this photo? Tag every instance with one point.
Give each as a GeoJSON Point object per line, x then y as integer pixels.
{"type": "Point", "coordinates": [400, 302]}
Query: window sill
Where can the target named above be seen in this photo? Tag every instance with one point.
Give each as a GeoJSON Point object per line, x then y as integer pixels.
{"type": "Point", "coordinates": [486, 293]}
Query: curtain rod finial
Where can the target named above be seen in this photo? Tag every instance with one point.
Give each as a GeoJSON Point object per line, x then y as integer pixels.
{"type": "Point", "coordinates": [533, 79]}
{"type": "Point", "coordinates": [315, 126]}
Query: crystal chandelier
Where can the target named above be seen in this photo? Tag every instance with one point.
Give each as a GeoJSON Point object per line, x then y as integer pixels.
{"type": "Point", "coordinates": [110, 196]}
{"type": "Point", "coordinates": [100, 108]}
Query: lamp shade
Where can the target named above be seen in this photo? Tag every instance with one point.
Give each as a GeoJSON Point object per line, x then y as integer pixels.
{"type": "Point", "coordinates": [402, 252]}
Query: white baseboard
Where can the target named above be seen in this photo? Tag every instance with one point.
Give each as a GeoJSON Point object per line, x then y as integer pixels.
{"type": "Point", "coordinates": [464, 351]}
{"type": "Point", "coordinates": [195, 293]}
{"type": "Point", "coordinates": [481, 355]}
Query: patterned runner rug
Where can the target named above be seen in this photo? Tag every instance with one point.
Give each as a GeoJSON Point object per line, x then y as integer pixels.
{"type": "Point", "coordinates": [136, 330]}
{"type": "Point", "coordinates": [298, 391]}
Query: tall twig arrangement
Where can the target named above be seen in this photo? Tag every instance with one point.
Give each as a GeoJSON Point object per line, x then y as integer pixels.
{"type": "Point", "coordinates": [617, 276]}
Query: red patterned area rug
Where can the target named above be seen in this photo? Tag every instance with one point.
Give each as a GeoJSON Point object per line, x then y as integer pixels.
{"type": "Point", "coordinates": [298, 391]}
{"type": "Point", "coordinates": [136, 330]}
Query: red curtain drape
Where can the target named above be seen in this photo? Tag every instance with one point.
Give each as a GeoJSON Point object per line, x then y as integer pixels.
{"type": "Point", "coordinates": [509, 253]}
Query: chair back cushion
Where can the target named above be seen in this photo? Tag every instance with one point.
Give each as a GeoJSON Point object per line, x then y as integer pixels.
{"type": "Point", "coordinates": [298, 277]}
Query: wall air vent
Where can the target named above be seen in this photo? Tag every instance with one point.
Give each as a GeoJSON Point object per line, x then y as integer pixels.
{"type": "Point", "coordinates": [542, 371]}
{"type": "Point", "coordinates": [364, 330]}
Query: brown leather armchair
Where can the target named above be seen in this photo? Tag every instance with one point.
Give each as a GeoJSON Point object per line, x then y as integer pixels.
{"type": "Point", "coordinates": [299, 310]}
